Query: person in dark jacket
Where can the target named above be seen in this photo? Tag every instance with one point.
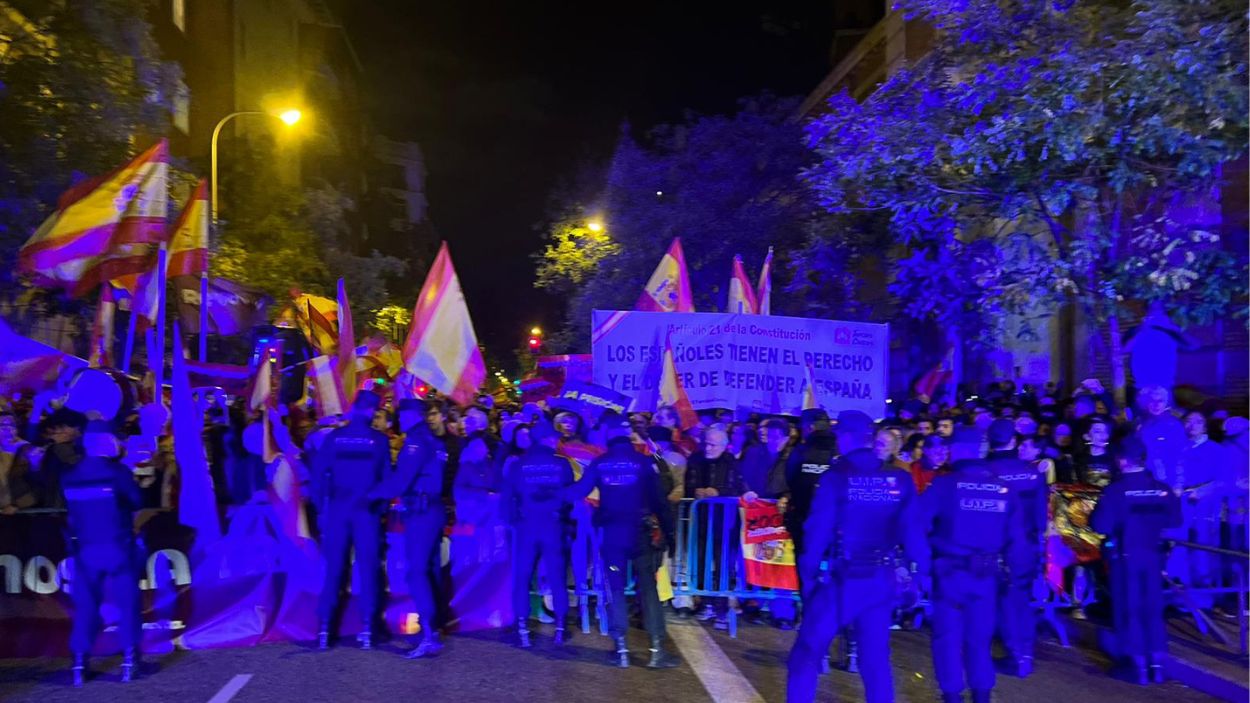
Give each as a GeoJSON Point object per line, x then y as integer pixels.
{"type": "Point", "coordinates": [1133, 513]}
{"type": "Point", "coordinates": [1017, 617]}
{"type": "Point", "coordinates": [535, 503]}
{"type": "Point", "coordinates": [352, 463]}
{"type": "Point", "coordinates": [806, 464]}
{"type": "Point", "coordinates": [102, 499]}
{"type": "Point", "coordinates": [633, 517]}
{"type": "Point", "coordinates": [713, 472]}
{"type": "Point", "coordinates": [863, 511]}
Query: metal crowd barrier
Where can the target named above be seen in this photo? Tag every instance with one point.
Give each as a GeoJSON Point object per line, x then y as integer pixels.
{"type": "Point", "coordinates": [1229, 572]}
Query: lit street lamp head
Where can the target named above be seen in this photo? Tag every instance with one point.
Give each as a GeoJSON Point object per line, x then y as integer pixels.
{"type": "Point", "coordinates": [594, 226]}
{"type": "Point", "coordinates": [290, 117]}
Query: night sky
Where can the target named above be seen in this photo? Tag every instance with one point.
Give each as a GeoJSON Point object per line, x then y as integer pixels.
{"type": "Point", "coordinates": [507, 98]}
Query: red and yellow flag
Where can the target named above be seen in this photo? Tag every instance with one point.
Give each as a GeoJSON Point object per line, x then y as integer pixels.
{"type": "Point", "coordinates": [188, 246]}
{"type": "Point", "coordinates": [317, 318]}
{"type": "Point", "coordinates": [347, 347]}
{"type": "Point", "coordinates": [810, 400]}
{"type": "Point", "coordinates": [668, 289]}
{"type": "Point", "coordinates": [441, 348]}
{"type": "Point", "coordinates": [764, 296]}
{"type": "Point", "coordinates": [741, 294]}
{"type": "Point", "coordinates": [103, 228]}
{"type": "Point", "coordinates": [673, 393]}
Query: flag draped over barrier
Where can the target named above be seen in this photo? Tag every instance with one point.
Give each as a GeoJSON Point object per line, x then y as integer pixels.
{"type": "Point", "coordinates": [441, 348]}
{"type": "Point", "coordinates": [103, 228]}
{"type": "Point", "coordinates": [741, 294]}
{"type": "Point", "coordinates": [767, 548]}
{"type": "Point", "coordinates": [668, 289]}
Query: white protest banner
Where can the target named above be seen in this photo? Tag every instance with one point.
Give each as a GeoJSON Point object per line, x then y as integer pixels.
{"type": "Point", "coordinates": [744, 361]}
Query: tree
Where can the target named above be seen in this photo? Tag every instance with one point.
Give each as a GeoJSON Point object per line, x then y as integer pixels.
{"type": "Point", "coordinates": [277, 237]}
{"type": "Point", "coordinates": [76, 87]}
{"type": "Point", "coordinates": [1045, 152]}
{"type": "Point", "coordinates": [725, 184]}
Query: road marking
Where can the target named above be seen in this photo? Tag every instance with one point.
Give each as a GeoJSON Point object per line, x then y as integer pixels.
{"type": "Point", "coordinates": [719, 676]}
{"type": "Point", "coordinates": [232, 687]}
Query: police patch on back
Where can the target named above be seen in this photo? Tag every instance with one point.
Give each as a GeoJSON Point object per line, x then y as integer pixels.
{"type": "Point", "coordinates": [873, 489]}
{"type": "Point", "coordinates": [981, 496]}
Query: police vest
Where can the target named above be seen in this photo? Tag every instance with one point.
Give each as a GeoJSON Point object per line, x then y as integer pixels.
{"type": "Point", "coordinates": [973, 518]}
{"type": "Point", "coordinates": [868, 514]}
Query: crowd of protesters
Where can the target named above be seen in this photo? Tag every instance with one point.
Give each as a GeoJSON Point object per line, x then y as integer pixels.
{"type": "Point", "coordinates": [1073, 437]}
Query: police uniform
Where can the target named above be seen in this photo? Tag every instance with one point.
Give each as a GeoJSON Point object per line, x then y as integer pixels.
{"type": "Point", "coordinates": [1133, 513]}
{"type": "Point", "coordinates": [806, 464]}
{"type": "Point", "coordinates": [861, 514]}
{"type": "Point", "coordinates": [1017, 617]}
{"type": "Point", "coordinates": [971, 517]}
{"type": "Point", "coordinates": [629, 495]}
{"type": "Point", "coordinates": [418, 481]}
{"type": "Point", "coordinates": [535, 503]}
{"type": "Point", "coordinates": [102, 497]}
{"type": "Point", "coordinates": [352, 461]}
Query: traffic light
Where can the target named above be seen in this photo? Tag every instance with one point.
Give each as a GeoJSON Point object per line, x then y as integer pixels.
{"type": "Point", "coordinates": [536, 340]}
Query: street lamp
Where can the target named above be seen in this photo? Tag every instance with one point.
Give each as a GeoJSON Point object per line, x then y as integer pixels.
{"type": "Point", "coordinates": [288, 117]}
{"type": "Point", "coordinates": [595, 226]}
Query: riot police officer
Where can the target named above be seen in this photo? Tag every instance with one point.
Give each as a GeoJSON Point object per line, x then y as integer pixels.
{"type": "Point", "coordinates": [351, 463]}
{"type": "Point", "coordinates": [1133, 512]}
{"type": "Point", "coordinates": [632, 509]}
{"type": "Point", "coordinates": [1017, 617]}
{"type": "Point", "coordinates": [861, 513]}
{"type": "Point", "coordinates": [102, 498]}
{"type": "Point", "coordinates": [535, 504]}
{"type": "Point", "coordinates": [970, 515]}
{"type": "Point", "coordinates": [806, 464]}
{"type": "Point", "coordinates": [418, 482]}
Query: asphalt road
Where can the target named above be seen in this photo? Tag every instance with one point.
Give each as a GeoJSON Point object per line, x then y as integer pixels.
{"type": "Point", "coordinates": [483, 667]}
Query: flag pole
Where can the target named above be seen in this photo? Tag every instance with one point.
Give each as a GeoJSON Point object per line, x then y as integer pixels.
{"type": "Point", "coordinates": [204, 317]}
{"type": "Point", "coordinates": [130, 337]}
{"type": "Point", "coordinates": [158, 368]}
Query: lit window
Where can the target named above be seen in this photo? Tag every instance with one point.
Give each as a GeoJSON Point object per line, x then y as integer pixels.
{"type": "Point", "coordinates": [178, 10]}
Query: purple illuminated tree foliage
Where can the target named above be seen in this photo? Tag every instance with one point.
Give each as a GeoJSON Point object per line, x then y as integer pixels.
{"type": "Point", "coordinates": [1048, 152]}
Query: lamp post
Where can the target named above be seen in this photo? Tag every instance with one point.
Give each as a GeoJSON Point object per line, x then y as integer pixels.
{"type": "Point", "coordinates": [289, 117]}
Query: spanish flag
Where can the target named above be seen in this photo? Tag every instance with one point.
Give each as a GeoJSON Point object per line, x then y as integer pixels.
{"type": "Point", "coordinates": [188, 246]}
{"type": "Point", "coordinates": [317, 318]}
{"type": "Point", "coordinates": [764, 296]}
{"type": "Point", "coordinates": [668, 289]}
{"type": "Point", "coordinates": [673, 393]}
{"type": "Point", "coordinates": [441, 348]}
{"type": "Point", "coordinates": [103, 228]}
{"type": "Point", "coordinates": [741, 294]}
{"type": "Point", "coordinates": [810, 401]}
{"type": "Point", "coordinates": [347, 347]}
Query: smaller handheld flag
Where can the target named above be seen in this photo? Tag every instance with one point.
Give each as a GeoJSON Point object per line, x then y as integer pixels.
{"type": "Point", "coordinates": [810, 400]}
{"type": "Point", "coordinates": [673, 393]}
{"type": "Point", "coordinates": [668, 289]}
{"type": "Point", "coordinates": [764, 296]}
{"type": "Point", "coordinates": [741, 295]}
